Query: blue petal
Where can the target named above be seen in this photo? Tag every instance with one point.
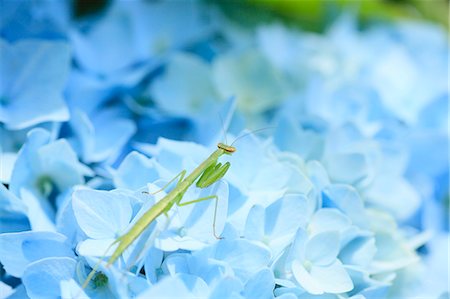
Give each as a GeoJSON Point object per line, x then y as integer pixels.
{"type": "Point", "coordinates": [248, 74]}
{"type": "Point", "coordinates": [347, 168]}
{"type": "Point", "coordinates": [287, 296]}
{"type": "Point", "coordinates": [71, 290]}
{"type": "Point", "coordinates": [7, 160]}
{"type": "Point", "coordinates": [209, 269]}
{"type": "Point", "coordinates": [103, 135]}
{"type": "Point", "coordinates": [195, 284]}
{"type": "Point", "coordinates": [135, 172]}
{"type": "Point", "coordinates": [307, 142]}
{"type": "Point", "coordinates": [66, 223]}
{"type": "Point", "coordinates": [19, 293]}
{"type": "Point", "coordinates": [349, 202]}
{"type": "Point", "coordinates": [282, 217]}
{"type": "Point", "coordinates": [41, 158]}
{"type": "Point", "coordinates": [176, 263]}
{"type": "Point", "coordinates": [298, 247]}
{"type": "Point", "coordinates": [228, 287]}
{"type": "Point", "coordinates": [20, 249]}
{"type": "Point", "coordinates": [305, 279]}
{"type": "Point", "coordinates": [210, 129]}
{"type": "Point", "coordinates": [328, 220]}
{"type": "Point", "coordinates": [261, 285]}
{"type": "Point", "coordinates": [36, 72]}
{"type": "Point", "coordinates": [168, 288]}
{"type": "Point", "coordinates": [102, 214]}
{"type": "Point", "coordinates": [95, 247]}
{"type": "Point", "coordinates": [24, 20]}
{"type": "Point", "coordinates": [27, 160]}
{"type": "Point", "coordinates": [189, 97]}
{"type": "Point", "coordinates": [42, 278]}
{"type": "Point", "coordinates": [254, 226]}
{"type": "Point", "coordinates": [198, 219]}
{"type": "Point", "coordinates": [41, 213]}
{"type": "Point", "coordinates": [359, 251]}
{"type": "Point", "coordinates": [244, 257]}
{"type": "Point", "coordinates": [5, 289]}
{"type": "Point", "coordinates": [333, 278]}
{"type": "Point", "coordinates": [12, 212]}
{"type": "Point", "coordinates": [394, 194]}
{"type": "Point", "coordinates": [323, 248]}
{"type": "Point", "coordinates": [152, 264]}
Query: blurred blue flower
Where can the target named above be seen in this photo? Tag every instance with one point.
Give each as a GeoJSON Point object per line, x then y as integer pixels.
{"type": "Point", "coordinates": [30, 19]}
{"type": "Point", "coordinates": [121, 39]}
{"type": "Point", "coordinates": [437, 263]}
{"type": "Point", "coordinates": [180, 93]}
{"type": "Point", "coordinates": [258, 86]}
{"type": "Point", "coordinates": [101, 137]}
{"type": "Point", "coordinates": [393, 252]}
{"type": "Point", "coordinates": [307, 136]}
{"type": "Point", "coordinates": [34, 74]}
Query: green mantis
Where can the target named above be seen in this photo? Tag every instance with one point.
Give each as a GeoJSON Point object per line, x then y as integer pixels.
{"type": "Point", "coordinates": [207, 173]}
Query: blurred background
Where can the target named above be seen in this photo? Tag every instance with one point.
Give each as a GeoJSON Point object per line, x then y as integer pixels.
{"type": "Point", "coordinates": [313, 15]}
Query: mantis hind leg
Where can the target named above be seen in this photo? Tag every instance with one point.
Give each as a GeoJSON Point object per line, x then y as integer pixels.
{"type": "Point", "coordinates": [180, 177]}
{"type": "Point", "coordinates": [180, 204]}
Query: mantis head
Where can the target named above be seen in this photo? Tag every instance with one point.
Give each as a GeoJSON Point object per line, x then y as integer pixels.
{"type": "Point", "coordinates": [228, 149]}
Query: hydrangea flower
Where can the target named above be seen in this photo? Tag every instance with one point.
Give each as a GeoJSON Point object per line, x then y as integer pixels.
{"type": "Point", "coordinates": [344, 198]}
{"type": "Point", "coordinates": [44, 170]}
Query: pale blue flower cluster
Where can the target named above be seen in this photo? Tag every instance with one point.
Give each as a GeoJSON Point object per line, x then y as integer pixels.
{"type": "Point", "coordinates": [343, 194]}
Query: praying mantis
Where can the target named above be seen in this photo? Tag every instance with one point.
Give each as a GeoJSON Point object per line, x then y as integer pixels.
{"type": "Point", "coordinates": [206, 174]}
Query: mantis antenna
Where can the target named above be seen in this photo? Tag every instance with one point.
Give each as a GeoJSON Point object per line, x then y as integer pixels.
{"type": "Point", "coordinates": [251, 132]}
{"type": "Point", "coordinates": [223, 128]}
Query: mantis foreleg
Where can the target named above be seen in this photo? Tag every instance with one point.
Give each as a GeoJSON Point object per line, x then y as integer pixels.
{"type": "Point", "coordinates": [212, 174]}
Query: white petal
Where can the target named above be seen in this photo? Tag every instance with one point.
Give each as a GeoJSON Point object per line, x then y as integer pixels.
{"type": "Point", "coordinates": [305, 279]}
{"type": "Point", "coordinates": [333, 279]}
{"type": "Point", "coordinates": [322, 249]}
